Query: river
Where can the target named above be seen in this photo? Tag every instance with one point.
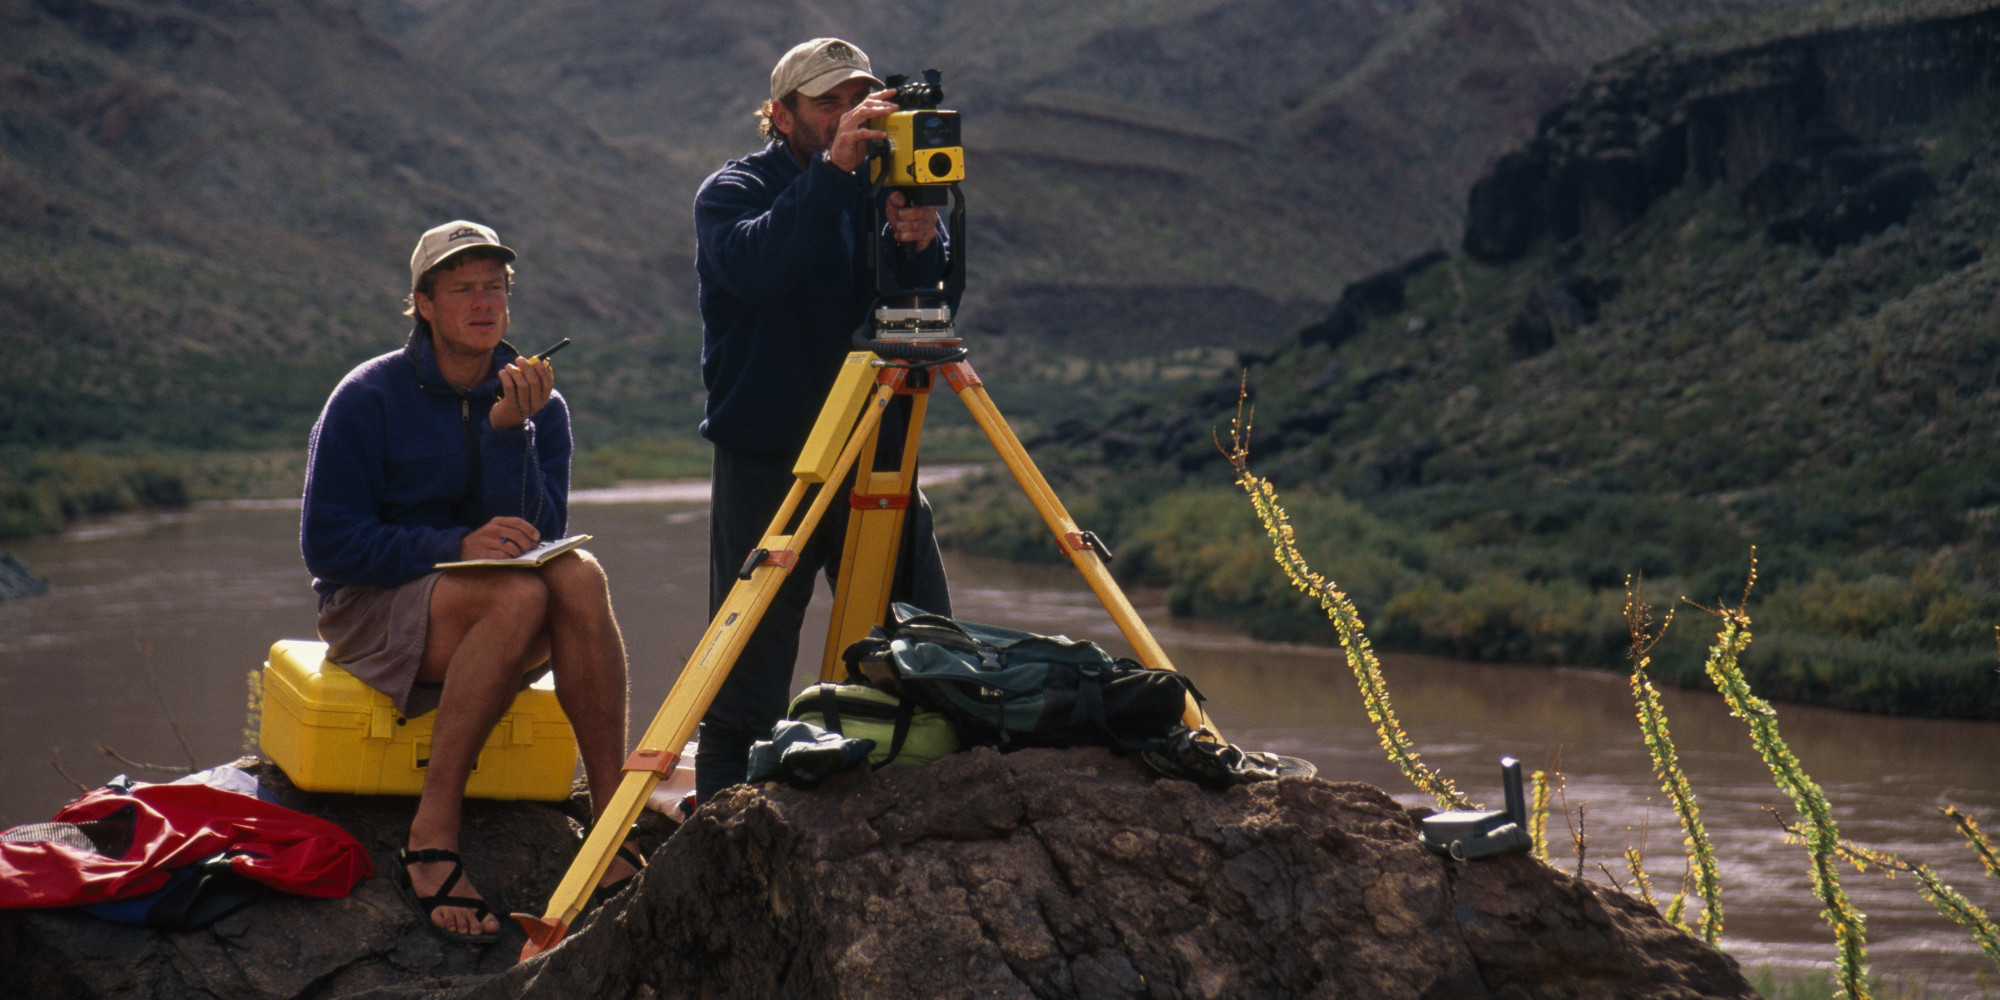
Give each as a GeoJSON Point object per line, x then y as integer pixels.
{"type": "Point", "coordinates": [156, 620]}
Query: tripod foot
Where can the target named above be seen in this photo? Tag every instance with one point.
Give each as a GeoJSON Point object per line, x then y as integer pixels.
{"type": "Point", "coordinates": [543, 933]}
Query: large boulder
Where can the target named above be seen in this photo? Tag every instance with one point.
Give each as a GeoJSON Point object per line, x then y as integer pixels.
{"type": "Point", "coordinates": [1082, 874]}
{"type": "Point", "coordinates": [1042, 873]}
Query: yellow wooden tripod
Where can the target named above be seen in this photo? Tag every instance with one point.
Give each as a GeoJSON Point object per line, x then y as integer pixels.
{"type": "Point", "coordinates": [846, 429]}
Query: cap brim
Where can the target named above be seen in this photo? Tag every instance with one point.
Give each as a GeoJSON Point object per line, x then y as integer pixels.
{"type": "Point", "coordinates": [833, 78]}
{"type": "Point", "coordinates": [509, 256]}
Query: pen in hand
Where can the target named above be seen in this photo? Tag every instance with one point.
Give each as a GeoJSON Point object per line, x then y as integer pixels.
{"type": "Point", "coordinates": [544, 356]}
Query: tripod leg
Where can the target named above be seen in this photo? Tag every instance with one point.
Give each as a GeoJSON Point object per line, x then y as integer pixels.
{"type": "Point", "coordinates": [1080, 546]}
{"type": "Point", "coordinates": [869, 555]}
{"type": "Point", "coordinates": [660, 746]}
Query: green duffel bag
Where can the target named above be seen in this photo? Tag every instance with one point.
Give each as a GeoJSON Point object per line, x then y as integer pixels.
{"type": "Point", "coordinates": [903, 732]}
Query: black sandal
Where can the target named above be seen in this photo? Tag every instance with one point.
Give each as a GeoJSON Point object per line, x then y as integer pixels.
{"type": "Point", "coordinates": [425, 904]}
{"type": "Point", "coordinates": [633, 857]}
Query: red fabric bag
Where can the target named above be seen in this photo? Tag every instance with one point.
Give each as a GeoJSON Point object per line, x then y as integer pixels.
{"type": "Point", "coordinates": [173, 826]}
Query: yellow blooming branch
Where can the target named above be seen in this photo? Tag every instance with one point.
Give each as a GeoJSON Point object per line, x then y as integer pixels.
{"type": "Point", "coordinates": [1346, 620]}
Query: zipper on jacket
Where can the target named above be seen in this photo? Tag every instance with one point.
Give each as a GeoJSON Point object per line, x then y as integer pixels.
{"type": "Point", "coordinates": [472, 484]}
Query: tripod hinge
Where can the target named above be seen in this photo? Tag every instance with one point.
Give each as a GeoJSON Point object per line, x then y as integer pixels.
{"type": "Point", "coordinates": [878, 501]}
{"type": "Point", "coordinates": [959, 376]}
{"type": "Point", "coordinates": [783, 558]}
{"type": "Point", "coordinates": [1081, 540]}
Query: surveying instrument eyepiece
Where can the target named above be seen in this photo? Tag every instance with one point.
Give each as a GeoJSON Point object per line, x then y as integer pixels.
{"type": "Point", "coordinates": [923, 159]}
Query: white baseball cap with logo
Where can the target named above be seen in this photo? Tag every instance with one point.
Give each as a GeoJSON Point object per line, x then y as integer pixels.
{"type": "Point", "coordinates": [815, 67]}
{"type": "Point", "coordinates": [441, 242]}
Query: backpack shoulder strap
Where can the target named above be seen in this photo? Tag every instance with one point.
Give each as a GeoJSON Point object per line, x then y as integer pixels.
{"type": "Point", "coordinates": [829, 709]}
{"type": "Point", "coordinates": [906, 710]}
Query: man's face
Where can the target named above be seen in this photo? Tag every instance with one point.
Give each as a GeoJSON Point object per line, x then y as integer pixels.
{"type": "Point", "coordinates": [467, 307]}
{"type": "Point", "coordinates": [810, 127]}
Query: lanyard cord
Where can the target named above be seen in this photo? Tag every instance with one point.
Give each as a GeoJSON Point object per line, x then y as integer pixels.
{"type": "Point", "coordinates": [530, 473]}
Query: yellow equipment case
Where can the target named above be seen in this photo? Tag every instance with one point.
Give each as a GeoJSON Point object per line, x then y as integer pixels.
{"type": "Point", "coordinates": [332, 733]}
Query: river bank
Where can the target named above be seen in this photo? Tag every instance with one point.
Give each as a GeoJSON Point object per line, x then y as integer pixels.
{"type": "Point", "coordinates": [1911, 643]}
{"type": "Point", "coordinates": [1879, 644]}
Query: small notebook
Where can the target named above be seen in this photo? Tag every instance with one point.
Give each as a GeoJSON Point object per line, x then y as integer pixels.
{"type": "Point", "coordinates": [533, 557]}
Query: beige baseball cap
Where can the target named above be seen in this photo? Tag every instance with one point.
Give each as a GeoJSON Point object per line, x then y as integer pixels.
{"type": "Point", "coordinates": [815, 67]}
{"type": "Point", "coordinates": [442, 241]}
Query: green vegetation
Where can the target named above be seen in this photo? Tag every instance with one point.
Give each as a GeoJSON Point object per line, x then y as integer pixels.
{"type": "Point", "coordinates": [1673, 780]}
{"type": "Point", "coordinates": [1822, 835]}
{"type": "Point", "coordinates": [639, 460]}
{"type": "Point", "coordinates": [1337, 606]}
{"type": "Point", "coordinates": [41, 490]}
{"type": "Point", "coordinates": [1814, 827]}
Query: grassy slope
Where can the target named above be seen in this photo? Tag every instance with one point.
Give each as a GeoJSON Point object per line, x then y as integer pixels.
{"type": "Point", "coordinates": [204, 211]}
{"type": "Point", "coordinates": [1837, 411]}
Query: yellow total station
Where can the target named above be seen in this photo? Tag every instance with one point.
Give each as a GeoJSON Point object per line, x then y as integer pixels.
{"type": "Point", "coordinates": [924, 150]}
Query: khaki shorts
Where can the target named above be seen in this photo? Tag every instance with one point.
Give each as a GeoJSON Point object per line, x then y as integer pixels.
{"type": "Point", "coordinates": [378, 634]}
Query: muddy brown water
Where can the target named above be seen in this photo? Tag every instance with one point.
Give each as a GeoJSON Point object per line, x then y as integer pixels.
{"type": "Point", "coordinates": [155, 622]}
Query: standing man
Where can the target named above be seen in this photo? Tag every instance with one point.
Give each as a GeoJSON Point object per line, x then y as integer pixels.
{"type": "Point", "coordinates": [782, 245]}
{"type": "Point", "coordinates": [456, 447]}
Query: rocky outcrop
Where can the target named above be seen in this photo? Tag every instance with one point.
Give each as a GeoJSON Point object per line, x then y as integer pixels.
{"type": "Point", "coordinates": [1781, 121]}
{"type": "Point", "coordinates": [1081, 874]}
{"type": "Point", "coordinates": [1041, 873]}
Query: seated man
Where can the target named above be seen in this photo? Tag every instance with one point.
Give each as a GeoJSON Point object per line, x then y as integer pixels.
{"type": "Point", "coordinates": [457, 447]}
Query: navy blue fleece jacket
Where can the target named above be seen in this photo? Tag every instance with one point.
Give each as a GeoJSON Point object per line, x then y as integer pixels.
{"type": "Point", "coordinates": [403, 465]}
{"type": "Point", "coordinates": [781, 254]}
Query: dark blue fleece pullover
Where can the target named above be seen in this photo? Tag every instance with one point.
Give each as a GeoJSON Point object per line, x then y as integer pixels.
{"type": "Point", "coordinates": [782, 262]}
{"type": "Point", "coordinates": [403, 465]}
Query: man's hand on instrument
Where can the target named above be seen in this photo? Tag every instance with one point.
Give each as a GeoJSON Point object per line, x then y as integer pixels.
{"type": "Point", "coordinates": [526, 385]}
{"type": "Point", "coordinates": [916, 225]}
{"type": "Point", "coordinates": [500, 538]}
{"type": "Point", "coordinates": [849, 148]}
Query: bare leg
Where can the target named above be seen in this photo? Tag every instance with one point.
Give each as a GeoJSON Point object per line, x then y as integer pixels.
{"type": "Point", "coordinates": [484, 635]}
{"type": "Point", "coordinates": [587, 655]}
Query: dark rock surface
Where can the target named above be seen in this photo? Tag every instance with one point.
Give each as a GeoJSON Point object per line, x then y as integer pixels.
{"type": "Point", "coordinates": [1037, 874]}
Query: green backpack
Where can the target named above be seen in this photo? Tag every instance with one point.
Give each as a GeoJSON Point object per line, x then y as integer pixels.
{"type": "Point", "coordinates": [903, 732]}
{"type": "Point", "coordinates": [1005, 687]}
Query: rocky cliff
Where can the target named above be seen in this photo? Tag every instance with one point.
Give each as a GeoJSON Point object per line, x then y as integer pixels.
{"type": "Point", "coordinates": [1780, 121]}
{"type": "Point", "coordinates": [1035, 874]}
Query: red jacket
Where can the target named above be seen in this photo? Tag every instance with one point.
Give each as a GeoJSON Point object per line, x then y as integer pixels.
{"type": "Point", "coordinates": [173, 826]}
